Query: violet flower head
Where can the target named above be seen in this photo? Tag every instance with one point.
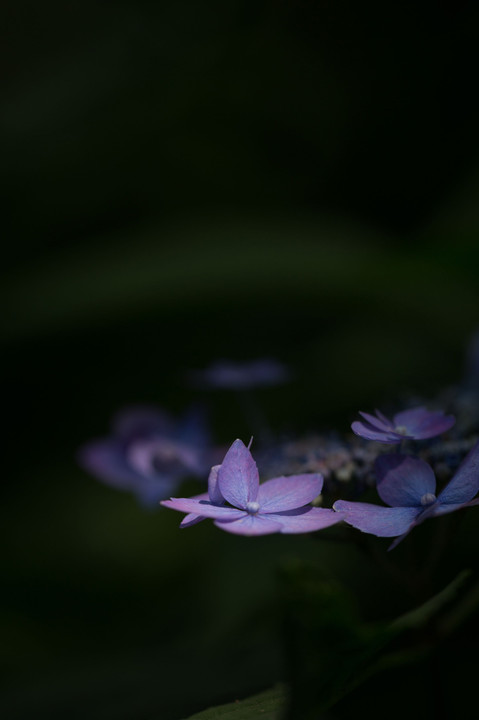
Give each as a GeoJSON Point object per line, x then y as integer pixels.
{"type": "Point", "coordinates": [280, 505]}
{"type": "Point", "coordinates": [149, 453]}
{"type": "Point", "coordinates": [415, 424]}
{"type": "Point", "coordinates": [229, 375]}
{"type": "Point", "coordinates": [408, 486]}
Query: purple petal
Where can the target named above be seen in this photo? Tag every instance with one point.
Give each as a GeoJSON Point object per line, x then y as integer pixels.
{"type": "Point", "coordinates": [422, 423]}
{"type": "Point", "coordinates": [106, 460]}
{"type": "Point", "coordinates": [383, 417]}
{"type": "Point", "coordinates": [465, 483]}
{"type": "Point", "coordinates": [193, 518]}
{"type": "Point", "coordinates": [214, 492]}
{"type": "Point", "coordinates": [403, 480]}
{"type": "Point", "coordinates": [250, 525]}
{"type": "Point", "coordinates": [162, 455]}
{"type": "Point", "coordinates": [375, 519]}
{"type": "Point", "coordinates": [303, 520]}
{"type": "Point", "coordinates": [410, 417]}
{"type": "Point", "coordinates": [287, 493]}
{"type": "Point", "coordinates": [141, 421]}
{"type": "Point", "coordinates": [238, 478]}
{"type": "Point", "coordinates": [377, 422]}
{"type": "Point", "coordinates": [365, 430]}
{"type": "Point", "coordinates": [435, 510]}
{"type": "Point", "coordinates": [203, 508]}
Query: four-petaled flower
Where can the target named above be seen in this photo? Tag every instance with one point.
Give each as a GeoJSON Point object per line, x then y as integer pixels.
{"type": "Point", "coordinates": [280, 505]}
{"type": "Point", "coordinates": [408, 486]}
{"type": "Point", "coordinates": [416, 424]}
{"type": "Point", "coordinates": [149, 453]}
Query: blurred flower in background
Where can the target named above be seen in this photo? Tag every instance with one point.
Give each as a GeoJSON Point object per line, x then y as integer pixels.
{"type": "Point", "coordinates": [230, 375]}
{"type": "Point", "coordinates": [149, 453]}
{"type": "Point", "coordinates": [415, 424]}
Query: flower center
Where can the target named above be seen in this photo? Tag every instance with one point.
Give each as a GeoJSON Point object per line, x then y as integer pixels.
{"type": "Point", "coordinates": [428, 499]}
{"type": "Point", "coordinates": [252, 507]}
{"type": "Point", "coordinates": [401, 430]}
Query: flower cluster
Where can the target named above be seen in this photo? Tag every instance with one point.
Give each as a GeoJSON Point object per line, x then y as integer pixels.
{"type": "Point", "coordinates": [239, 504]}
{"type": "Point", "coordinates": [149, 454]}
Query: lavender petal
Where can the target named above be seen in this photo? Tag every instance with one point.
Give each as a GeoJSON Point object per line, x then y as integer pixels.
{"type": "Point", "coordinates": [250, 525]}
{"type": "Point", "coordinates": [366, 431]}
{"type": "Point", "coordinates": [287, 493]}
{"type": "Point", "coordinates": [194, 518]}
{"type": "Point", "coordinates": [377, 423]}
{"type": "Point", "coordinates": [238, 479]}
{"type": "Point", "coordinates": [303, 520]}
{"type": "Point", "coordinates": [214, 492]}
{"type": "Point", "coordinates": [203, 508]}
{"type": "Point", "coordinates": [423, 424]}
{"type": "Point", "coordinates": [376, 519]}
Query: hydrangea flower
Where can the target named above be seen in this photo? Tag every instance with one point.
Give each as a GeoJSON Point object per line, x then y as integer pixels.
{"type": "Point", "coordinates": [280, 505]}
{"type": "Point", "coordinates": [229, 375]}
{"type": "Point", "coordinates": [415, 424]}
{"type": "Point", "coordinates": [408, 486]}
{"type": "Point", "coordinates": [149, 453]}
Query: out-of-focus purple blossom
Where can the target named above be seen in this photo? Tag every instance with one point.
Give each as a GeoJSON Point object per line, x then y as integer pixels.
{"type": "Point", "coordinates": [229, 375]}
{"type": "Point", "coordinates": [408, 486]}
{"type": "Point", "coordinates": [149, 453]}
{"type": "Point", "coordinates": [415, 424]}
{"type": "Point", "coordinates": [279, 505]}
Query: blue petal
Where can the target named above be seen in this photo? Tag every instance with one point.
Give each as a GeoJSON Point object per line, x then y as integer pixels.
{"type": "Point", "coordinates": [465, 483]}
{"type": "Point", "coordinates": [403, 480]}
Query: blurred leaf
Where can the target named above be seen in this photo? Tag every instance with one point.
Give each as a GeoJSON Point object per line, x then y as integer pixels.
{"type": "Point", "coordinates": [267, 705]}
{"type": "Point", "coordinates": [420, 616]}
{"type": "Point", "coordinates": [332, 651]}
{"type": "Point", "coordinates": [311, 260]}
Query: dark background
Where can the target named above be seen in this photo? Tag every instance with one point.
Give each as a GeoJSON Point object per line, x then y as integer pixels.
{"type": "Point", "coordinates": [182, 182]}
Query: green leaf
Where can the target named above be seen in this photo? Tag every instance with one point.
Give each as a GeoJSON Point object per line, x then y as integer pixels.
{"type": "Point", "coordinates": [331, 650]}
{"type": "Point", "coordinates": [267, 705]}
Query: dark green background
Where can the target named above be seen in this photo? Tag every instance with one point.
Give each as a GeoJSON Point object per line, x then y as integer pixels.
{"type": "Point", "coordinates": [186, 181]}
